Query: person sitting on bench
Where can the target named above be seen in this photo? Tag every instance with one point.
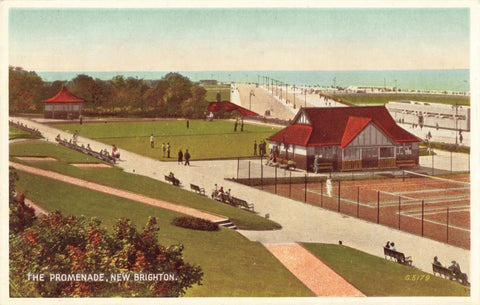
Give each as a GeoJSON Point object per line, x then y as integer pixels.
{"type": "Point", "coordinates": [455, 268]}
{"type": "Point", "coordinates": [436, 262]}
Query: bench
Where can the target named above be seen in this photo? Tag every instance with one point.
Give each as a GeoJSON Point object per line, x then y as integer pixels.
{"type": "Point", "coordinates": [399, 257]}
{"type": "Point", "coordinates": [283, 163]}
{"type": "Point", "coordinates": [172, 180]}
{"type": "Point", "coordinates": [197, 189]}
{"type": "Point", "coordinates": [448, 274]}
{"type": "Point", "coordinates": [237, 202]}
{"type": "Point", "coordinates": [405, 163]}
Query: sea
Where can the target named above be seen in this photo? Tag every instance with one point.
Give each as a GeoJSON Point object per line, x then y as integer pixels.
{"type": "Point", "coordinates": [435, 80]}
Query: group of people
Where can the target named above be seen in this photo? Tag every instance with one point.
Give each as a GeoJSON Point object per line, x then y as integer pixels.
{"type": "Point", "coordinates": [455, 268]}
{"type": "Point", "coordinates": [218, 193]}
{"type": "Point", "coordinates": [262, 148]}
{"type": "Point", "coordinates": [181, 155]}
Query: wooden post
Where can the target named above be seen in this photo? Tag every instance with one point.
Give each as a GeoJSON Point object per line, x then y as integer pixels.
{"type": "Point", "coordinates": [261, 170]}
{"type": "Point", "coordinates": [290, 186]}
{"type": "Point", "coordinates": [249, 173]}
{"type": "Point", "coordinates": [338, 195]}
{"type": "Point", "coordinates": [275, 180]}
{"type": "Point", "coordinates": [305, 187]}
{"type": "Point", "coordinates": [238, 166]}
{"type": "Point", "coordinates": [358, 201]}
{"type": "Point", "coordinates": [399, 210]}
{"type": "Point", "coordinates": [321, 193]}
{"type": "Point", "coordinates": [423, 213]}
{"type": "Point", "coordinates": [447, 223]}
{"type": "Point", "coordinates": [378, 206]}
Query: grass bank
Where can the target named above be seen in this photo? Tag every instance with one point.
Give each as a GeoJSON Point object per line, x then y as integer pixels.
{"type": "Point", "coordinates": [233, 266]}
{"type": "Point", "coordinates": [382, 99]}
{"type": "Point", "coordinates": [375, 276]}
{"type": "Point", "coordinates": [117, 178]}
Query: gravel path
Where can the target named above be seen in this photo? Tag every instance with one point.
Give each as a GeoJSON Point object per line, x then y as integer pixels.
{"type": "Point", "coordinates": [117, 192]}
{"type": "Point", "coordinates": [312, 272]}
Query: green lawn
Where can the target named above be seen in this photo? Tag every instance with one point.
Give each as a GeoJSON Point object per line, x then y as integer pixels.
{"type": "Point", "coordinates": [15, 133]}
{"type": "Point", "coordinates": [117, 178]}
{"type": "Point", "coordinates": [377, 99]}
{"type": "Point", "coordinates": [204, 139]}
{"type": "Point", "coordinates": [375, 276]}
{"type": "Point", "coordinates": [233, 266]}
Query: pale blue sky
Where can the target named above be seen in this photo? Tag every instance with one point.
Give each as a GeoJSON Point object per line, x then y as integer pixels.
{"type": "Point", "coordinates": [238, 39]}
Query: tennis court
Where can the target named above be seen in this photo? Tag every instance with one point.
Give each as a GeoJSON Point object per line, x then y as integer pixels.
{"type": "Point", "coordinates": [435, 207]}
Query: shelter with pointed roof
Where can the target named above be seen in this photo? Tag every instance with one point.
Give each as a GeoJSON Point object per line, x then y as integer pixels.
{"type": "Point", "coordinates": [64, 105]}
{"type": "Point", "coordinates": [346, 138]}
{"type": "Point", "coordinates": [228, 106]}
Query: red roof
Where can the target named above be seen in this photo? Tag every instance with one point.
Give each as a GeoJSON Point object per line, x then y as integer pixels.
{"type": "Point", "coordinates": [340, 125]}
{"type": "Point", "coordinates": [217, 106]}
{"type": "Point", "coordinates": [354, 126]}
{"type": "Point", "coordinates": [64, 96]}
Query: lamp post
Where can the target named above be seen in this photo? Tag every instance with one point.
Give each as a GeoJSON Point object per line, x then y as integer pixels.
{"type": "Point", "coordinates": [251, 94]}
{"type": "Point", "coordinates": [305, 91]}
{"type": "Point", "coordinates": [396, 90]}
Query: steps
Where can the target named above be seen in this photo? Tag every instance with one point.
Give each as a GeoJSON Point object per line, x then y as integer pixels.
{"type": "Point", "coordinates": [227, 223]}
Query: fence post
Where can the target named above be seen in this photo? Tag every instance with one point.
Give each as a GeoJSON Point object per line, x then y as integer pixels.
{"type": "Point", "coordinates": [238, 165]}
{"type": "Point", "coordinates": [321, 193]}
{"type": "Point", "coordinates": [403, 178]}
{"type": "Point", "coordinates": [378, 206]}
{"type": "Point", "coordinates": [422, 214]}
{"type": "Point", "coordinates": [305, 187]}
{"type": "Point", "coordinates": [399, 210]}
{"type": "Point", "coordinates": [433, 163]}
{"type": "Point", "coordinates": [447, 224]}
{"type": "Point", "coordinates": [261, 170]}
{"type": "Point", "coordinates": [290, 187]}
{"type": "Point", "coordinates": [358, 201]}
{"type": "Point", "coordinates": [249, 173]}
{"type": "Point", "coordinates": [275, 180]}
{"type": "Point", "coordinates": [451, 162]}
{"type": "Point", "coordinates": [338, 195]}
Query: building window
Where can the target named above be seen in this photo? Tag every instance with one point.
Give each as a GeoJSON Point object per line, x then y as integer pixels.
{"type": "Point", "coordinates": [351, 154]}
{"type": "Point", "coordinates": [386, 152]}
{"type": "Point", "coordinates": [370, 153]}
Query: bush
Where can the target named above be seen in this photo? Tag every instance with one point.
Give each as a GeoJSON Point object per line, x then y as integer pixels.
{"type": "Point", "coordinates": [71, 245]}
{"type": "Point", "coordinates": [195, 223]}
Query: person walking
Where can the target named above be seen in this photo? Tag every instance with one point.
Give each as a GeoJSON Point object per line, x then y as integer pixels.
{"type": "Point", "coordinates": [163, 149]}
{"type": "Point", "coordinates": [315, 165]}
{"type": "Point", "coordinates": [180, 157]}
{"type": "Point", "coordinates": [255, 148]}
{"type": "Point", "coordinates": [168, 150]}
{"type": "Point", "coordinates": [187, 158]}
{"type": "Point", "coordinates": [152, 141]}
{"type": "Point", "coordinates": [188, 124]}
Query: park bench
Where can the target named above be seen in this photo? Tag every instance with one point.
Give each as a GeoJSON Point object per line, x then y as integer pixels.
{"type": "Point", "coordinates": [448, 274]}
{"type": "Point", "coordinates": [237, 202]}
{"type": "Point", "coordinates": [399, 257]}
{"type": "Point", "coordinates": [283, 163]}
{"type": "Point", "coordinates": [197, 189]}
{"type": "Point", "coordinates": [405, 163]}
{"type": "Point", "coordinates": [172, 180]}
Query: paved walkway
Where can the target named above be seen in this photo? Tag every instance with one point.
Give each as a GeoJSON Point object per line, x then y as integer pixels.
{"type": "Point", "coordinates": [312, 272]}
{"type": "Point", "coordinates": [300, 221]}
{"type": "Point", "coordinates": [118, 192]}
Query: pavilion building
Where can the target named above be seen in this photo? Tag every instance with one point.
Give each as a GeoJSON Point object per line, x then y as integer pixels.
{"type": "Point", "coordinates": [346, 138]}
{"type": "Point", "coordinates": [64, 105]}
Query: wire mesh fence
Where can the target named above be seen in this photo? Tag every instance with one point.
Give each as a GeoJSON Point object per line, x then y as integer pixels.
{"type": "Point", "coordinates": [433, 207]}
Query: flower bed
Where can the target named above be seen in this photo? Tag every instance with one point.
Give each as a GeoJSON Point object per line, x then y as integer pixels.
{"type": "Point", "coordinates": [195, 223]}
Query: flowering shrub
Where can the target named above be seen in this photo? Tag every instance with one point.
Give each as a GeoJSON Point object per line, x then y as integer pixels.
{"type": "Point", "coordinates": [195, 223]}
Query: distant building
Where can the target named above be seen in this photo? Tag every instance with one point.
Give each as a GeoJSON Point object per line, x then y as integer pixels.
{"type": "Point", "coordinates": [346, 138]}
{"type": "Point", "coordinates": [434, 115]}
{"type": "Point", "coordinates": [208, 82]}
{"type": "Point", "coordinates": [64, 105]}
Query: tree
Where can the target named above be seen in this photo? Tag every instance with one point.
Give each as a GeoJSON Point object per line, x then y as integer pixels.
{"type": "Point", "coordinates": [25, 90]}
{"type": "Point", "coordinates": [21, 216]}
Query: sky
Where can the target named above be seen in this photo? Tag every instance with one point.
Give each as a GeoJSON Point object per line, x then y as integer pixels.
{"type": "Point", "coordinates": [216, 39]}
